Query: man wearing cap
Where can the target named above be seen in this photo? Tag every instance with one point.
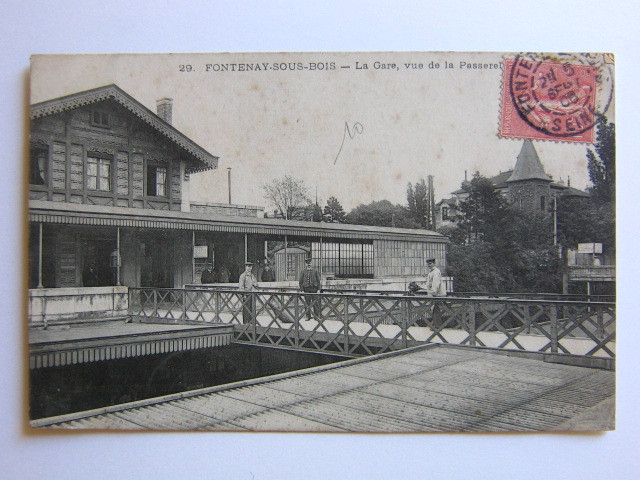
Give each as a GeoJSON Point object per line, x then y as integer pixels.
{"type": "Point", "coordinates": [434, 286]}
{"type": "Point", "coordinates": [310, 283]}
{"type": "Point", "coordinates": [248, 283]}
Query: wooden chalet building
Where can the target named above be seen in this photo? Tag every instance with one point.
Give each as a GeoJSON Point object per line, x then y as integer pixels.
{"type": "Point", "coordinates": [109, 208]}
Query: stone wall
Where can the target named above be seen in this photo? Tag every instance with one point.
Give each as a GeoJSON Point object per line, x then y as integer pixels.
{"type": "Point", "coordinates": [55, 304]}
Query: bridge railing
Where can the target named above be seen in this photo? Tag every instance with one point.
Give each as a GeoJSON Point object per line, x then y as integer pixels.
{"type": "Point", "coordinates": [513, 295]}
{"type": "Point", "coordinates": [363, 324]}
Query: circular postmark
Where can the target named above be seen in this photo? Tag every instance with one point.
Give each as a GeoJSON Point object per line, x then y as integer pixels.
{"type": "Point", "coordinates": [561, 95]}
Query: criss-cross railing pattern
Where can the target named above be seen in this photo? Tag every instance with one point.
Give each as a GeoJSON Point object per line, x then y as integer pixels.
{"type": "Point", "coordinates": [357, 324]}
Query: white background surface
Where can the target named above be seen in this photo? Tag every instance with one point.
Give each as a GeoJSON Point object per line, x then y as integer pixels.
{"type": "Point", "coordinates": [176, 26]}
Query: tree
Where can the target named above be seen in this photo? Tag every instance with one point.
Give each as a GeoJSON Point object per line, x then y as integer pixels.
{"type": "Point", "coordinates": [382, 213]}
{"type": "Point", "coordinates": [592, 219]}
{"type": "Point", "coordinates": [602, 162]}
{"type": "Point", "coordinates": [517, 256]}
{"type": "Point", "coordinates": [483, 211]}
{"type": "Point", "coordinates": [497, 247]}
{"type": "Point", "coordinates": [289, 196]}
{"type": "Point", "coordinates": [585, 220]}
{"type": "Point", "coordinates": [333, 211]}
{"type": "Point", "coordinates": [317, 213]}
{"type": "Point", "coordinates": [418, 201]}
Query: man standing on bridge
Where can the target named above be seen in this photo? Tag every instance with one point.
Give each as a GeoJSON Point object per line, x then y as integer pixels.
{"type": "Point", "coordinates": [310, 283]}
{"type": "Point", "coordinates": [435, 287]}
{"type": "Point", "coordinates": [247, 284]}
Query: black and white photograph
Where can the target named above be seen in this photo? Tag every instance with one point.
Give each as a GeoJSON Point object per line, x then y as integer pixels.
{"type": "Point", "coordinates": [255, 240]}
{"type": "Point", "coordinates": [322, 242]}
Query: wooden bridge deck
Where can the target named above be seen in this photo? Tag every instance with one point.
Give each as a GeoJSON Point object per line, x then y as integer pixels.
{"type": "Point", "coordinates": [430, 388]}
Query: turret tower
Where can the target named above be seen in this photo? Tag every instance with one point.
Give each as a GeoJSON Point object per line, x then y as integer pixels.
{"type": "Point", "coordinates": [529, 185]}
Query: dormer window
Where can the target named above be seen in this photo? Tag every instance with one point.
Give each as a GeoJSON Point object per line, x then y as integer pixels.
{"type": "Point", "coordinates": [100, 118]}
{"type": "Point", "coordinates": [38, 166]}
{"type": "Point", "coordinates": [156, 181]}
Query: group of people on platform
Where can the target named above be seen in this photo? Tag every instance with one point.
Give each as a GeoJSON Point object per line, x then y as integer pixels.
{"type": "Point", "coordinates": [310, 282]}
{"type": "Point", "coordinates": [220, 275]}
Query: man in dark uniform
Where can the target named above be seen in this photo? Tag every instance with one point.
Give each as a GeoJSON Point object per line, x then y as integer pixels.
{"type": "Point", "coordinates": [268, 275]}
{"type": "Point", "coordinates": [207, 275]}
{"type": "Point", "coordinates": [310, 282]}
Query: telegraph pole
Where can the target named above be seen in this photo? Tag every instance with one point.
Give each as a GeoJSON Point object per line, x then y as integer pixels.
{"type": "Point", "coordinates": [432, 204]}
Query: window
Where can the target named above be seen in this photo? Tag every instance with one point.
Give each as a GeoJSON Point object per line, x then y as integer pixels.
{"type": "Point", "coordinates": [291, 266]}
{"type": "Point", "coordinates": [38, 166]}
{"type": "Point", "coordinates": [100, 118]}
{"type": "Point", "coordinates": [445, 213]}
{"type": "Point", "coordinates": [98, 173]}
{"type": "Point", "coordinates": [156, 181]}
{"type": "Point", "coordinates": [346, 260]}
{"type": "Point", "coordinates": [543, 203]}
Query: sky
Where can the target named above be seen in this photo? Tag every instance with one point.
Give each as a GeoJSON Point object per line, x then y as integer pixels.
{"type": "Point", "coordinates": [359, 134]}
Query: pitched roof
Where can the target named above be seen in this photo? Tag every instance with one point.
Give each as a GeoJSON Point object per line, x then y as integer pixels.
{"type": "Point", "coordinates": [448, 201]}
{"type": "Point", "coordinates": [498, 181]}
{"type": "Point", "coordinates": [573, 192]}
{"type": "Point", "coordinates": [203, 159]}
{"type": "Point", "coordinates": [528, 165]}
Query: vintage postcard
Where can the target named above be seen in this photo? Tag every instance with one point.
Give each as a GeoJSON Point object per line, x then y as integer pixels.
{"type": "Point", "coordinates": [326, 242]}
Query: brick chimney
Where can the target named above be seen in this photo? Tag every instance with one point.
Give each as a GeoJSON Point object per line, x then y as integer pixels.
{"type": "Point", "coordinates": [165, 109]}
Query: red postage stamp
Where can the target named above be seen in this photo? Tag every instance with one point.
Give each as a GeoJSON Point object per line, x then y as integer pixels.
{"type": "Point", "coordinates": [551, 98]}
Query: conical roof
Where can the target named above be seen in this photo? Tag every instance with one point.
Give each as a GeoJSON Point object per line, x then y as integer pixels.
{"type": "Point", "coordinates": [528, 165]}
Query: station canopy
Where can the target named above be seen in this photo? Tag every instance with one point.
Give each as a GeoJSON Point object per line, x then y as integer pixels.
{"type": "Point", "coordinates": [95, 215]}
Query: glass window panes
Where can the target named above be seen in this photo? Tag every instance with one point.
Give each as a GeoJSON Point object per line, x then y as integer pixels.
{"type": "Point", "coordinates": [98, 174]}
{"type": "Point", "coordinates": [156, 181]}
{"type": "Point", "coordinates": [161, 181]}
{"type": "Point", "coordinates": [346, 260]}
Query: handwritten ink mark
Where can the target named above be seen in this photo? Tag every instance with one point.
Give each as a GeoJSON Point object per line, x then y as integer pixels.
{"type": "Point", "coordinates": [357, 129]}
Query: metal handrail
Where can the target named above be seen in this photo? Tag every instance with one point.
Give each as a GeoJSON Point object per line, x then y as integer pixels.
{"type": "Point", "coordinates": [501, 295]}
{"type": "Point", "coordinates": [479, 297]}
{"type": "Point", "coordinates": [360, 324]}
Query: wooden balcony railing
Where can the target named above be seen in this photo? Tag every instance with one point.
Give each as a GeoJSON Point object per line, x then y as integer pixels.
{"type": "Point", "coordinates": [365, 323]}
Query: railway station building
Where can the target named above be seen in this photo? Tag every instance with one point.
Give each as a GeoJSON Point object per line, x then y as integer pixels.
{"type": "Point", "coordinates": [110, 208]}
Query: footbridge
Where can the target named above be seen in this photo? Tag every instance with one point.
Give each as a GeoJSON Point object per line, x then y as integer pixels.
{"type": "Point", "coordinates": [566, 329]}
{"type": "Point", "coordinates": [469, 362]}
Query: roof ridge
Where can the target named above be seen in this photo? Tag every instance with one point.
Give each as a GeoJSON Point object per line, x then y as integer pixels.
{"type": "Point", "coordinates": [112, 91]}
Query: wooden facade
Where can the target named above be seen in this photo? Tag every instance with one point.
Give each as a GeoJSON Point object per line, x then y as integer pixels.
{"type": "Point", "coordinates": [102, 153]}
{"type": "Point", "coordinates": [102, 148]}
{"type": "Point", "coordinates": [404, 259]}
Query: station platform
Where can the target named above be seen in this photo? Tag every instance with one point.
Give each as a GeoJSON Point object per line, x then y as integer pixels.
{"type": "Point", "coordinates": [73, 343]}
